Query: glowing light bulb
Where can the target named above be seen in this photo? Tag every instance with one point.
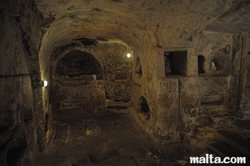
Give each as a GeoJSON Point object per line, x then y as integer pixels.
{"type": "Point", "coordinates": [45, 83]}
{"type": "Point", "coordinates": [128, 55]}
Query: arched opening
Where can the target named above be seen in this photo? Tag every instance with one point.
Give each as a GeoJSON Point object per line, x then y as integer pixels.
{"type": "Point", "coordinates": [76, 84]}
{"type": "Point", "coordinates": [101, 76]}
{"type": "Point", "coordinates": [201, 60]}
{"type": "Point", "coordinates": [138, 68]}
{"type": "Point", "coordinates": [218, 63]}
{"type": "Point", "coordinates": [77, 63]}
{"type": "Point", "coordinates": [145, 108]}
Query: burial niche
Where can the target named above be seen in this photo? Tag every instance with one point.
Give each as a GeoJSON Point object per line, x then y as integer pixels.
{"type": "Point", "coordinates": [201, 60]}
{"type": "Point", "coordinates": [175, 63]}
{"type": "Point", "coordinates": [77, 63]}
{"type": "Point", "coordinates": [145, 108]}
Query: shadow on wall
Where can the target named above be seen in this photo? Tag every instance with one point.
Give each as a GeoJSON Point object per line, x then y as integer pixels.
{"type": "Point", "coordinates": [77, 84]}
{"type": "Point", "coordinates": [144, 111]}
{"type": "Point", "coordinates": [83, 81]}
{"type": "Point", "coordinates": [175, 63]}
{"type": "Point", "coordinates": [78, 63]}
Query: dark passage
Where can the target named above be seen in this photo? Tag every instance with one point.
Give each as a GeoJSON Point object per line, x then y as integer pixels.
{"type": "Point", "coordinates": [108, 139]}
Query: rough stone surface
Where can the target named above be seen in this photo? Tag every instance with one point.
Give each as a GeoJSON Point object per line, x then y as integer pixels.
{"type": "Point", "coordinates": [20, 125]}
{"type": "Point", "coordinates": [188, 74]}
{"type": "Point", "coordinates": [111, 82]}
{"type": "Point", "coordinates": [109, 139]}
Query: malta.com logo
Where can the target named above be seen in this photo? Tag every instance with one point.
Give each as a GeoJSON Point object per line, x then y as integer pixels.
{"type": "Point", "coordinates": [209, 159]}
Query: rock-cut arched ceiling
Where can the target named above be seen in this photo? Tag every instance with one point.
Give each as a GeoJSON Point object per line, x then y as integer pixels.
{"type": "Point", "coordinates": [153, 20]}
{"type": "Point", "coordinates": [140, 24]}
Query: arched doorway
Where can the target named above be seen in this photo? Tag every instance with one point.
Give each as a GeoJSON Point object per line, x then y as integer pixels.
{"type": "Point", "coordinates": [77, 84]}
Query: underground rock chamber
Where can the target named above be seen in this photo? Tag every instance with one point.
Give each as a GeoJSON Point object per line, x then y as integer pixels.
{"type": "Point", "coordinates": [97, 132]}
{"type": "Point", "coordinates": [94, 81]}
{"type": "Point", "coordinates": [123, 82]}
{"type": "Point", "coordinates": [86, 88]}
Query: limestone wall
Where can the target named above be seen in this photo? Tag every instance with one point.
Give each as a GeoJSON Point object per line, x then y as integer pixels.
{"type": "Point", "coordinates": [87, 92]}
{"type": "Point", "coordinates": [20, 123]}
{"type": "Point", "coordinates": [197, 102]}
{"type": "Point", "coordinates": [244, 77]}
{"type": "Point", "coordinates": [180, 101]}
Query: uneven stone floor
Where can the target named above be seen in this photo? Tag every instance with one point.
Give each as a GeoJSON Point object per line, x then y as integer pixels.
{"type": "Point", "coordinates": [109, 139]}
